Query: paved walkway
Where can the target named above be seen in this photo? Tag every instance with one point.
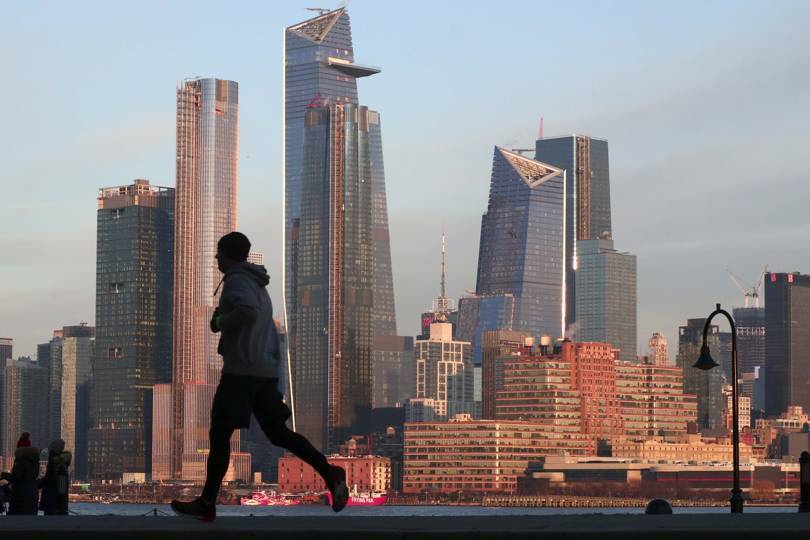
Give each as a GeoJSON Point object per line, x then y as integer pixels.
{"type": "Point", "coordinates": [622, 527]}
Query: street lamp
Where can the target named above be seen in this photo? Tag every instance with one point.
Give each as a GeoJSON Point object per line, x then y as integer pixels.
{"type": "Point", "coordinates": [705, 362]}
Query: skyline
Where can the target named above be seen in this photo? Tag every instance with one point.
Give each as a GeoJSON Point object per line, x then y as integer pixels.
{"type": "Point", "coordinates": [666, 299]}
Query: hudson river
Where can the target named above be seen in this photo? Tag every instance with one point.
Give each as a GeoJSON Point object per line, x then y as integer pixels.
{"type": "Point", "coordinates": [88, 509]}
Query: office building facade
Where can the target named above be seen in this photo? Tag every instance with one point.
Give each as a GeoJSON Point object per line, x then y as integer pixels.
{"type": "Point", "coordinates": [606, 296]}
{"type": "Point", "coordinates": [587, 207]}
{"type": "Point", "coordinates": [22, 402]}
{"type": "Point", "coordinates": [444, 372]}
{"type": "Point", "coordinates": [658, 349]}
{"type": "Point", "coordinates": [393, 371]}
{"type": "Point", "coordinates": [522, 242]}
{"type": "Point", "coordinates": [787, 342]}
{"type": "Point", "coordinates": [750, 323]}
{"type": "Point", "coordinates": [133, 349]}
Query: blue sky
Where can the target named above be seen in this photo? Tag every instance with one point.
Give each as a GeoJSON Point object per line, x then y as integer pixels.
{"type": "Point", "coordinates": [705, 105]}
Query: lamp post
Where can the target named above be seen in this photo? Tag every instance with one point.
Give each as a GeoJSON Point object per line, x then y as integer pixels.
{"type": "Point", "coordinates": [705, 362]}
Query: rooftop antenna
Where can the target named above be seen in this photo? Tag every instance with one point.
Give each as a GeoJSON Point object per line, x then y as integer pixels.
{"type": "Point", "coordinates": [540, 131]}
{"type": "Point", "coordinates": [443, 251]}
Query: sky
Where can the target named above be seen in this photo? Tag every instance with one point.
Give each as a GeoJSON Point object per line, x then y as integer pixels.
{"type": "Point", "coordinates": [705, 104]}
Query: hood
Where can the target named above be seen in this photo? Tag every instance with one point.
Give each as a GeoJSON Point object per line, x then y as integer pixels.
{"type": "Point", "coordinates": [28, 453]}
{"type": "Point", "coordinates": [256, 272]}
{"type": "Point", "coordinates": [63, 458]}
{"type": "Point", "coordinates": [56, 447]}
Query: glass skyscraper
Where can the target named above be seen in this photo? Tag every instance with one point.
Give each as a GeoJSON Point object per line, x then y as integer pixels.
{"type": "Point", "coordinates": [587, 215]}
{"type": "Point", "coordinates": [479, 314]}
{"type": "Point", "coordinates": [134, 250]}
{"type": "Point", "coordinates": [320, 90]}
{"type": "Point", "coordinates": [606, 296]}
{"type": "Point", "coordinates": [332, 368]}
{"type": "Point", "coordinates": [205, 210]}
{"type": "Point", "coordinates": [522, 245]}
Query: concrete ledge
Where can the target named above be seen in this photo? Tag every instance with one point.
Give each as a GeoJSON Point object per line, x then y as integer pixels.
{"type": "Point", "coordinates": [569, 527]}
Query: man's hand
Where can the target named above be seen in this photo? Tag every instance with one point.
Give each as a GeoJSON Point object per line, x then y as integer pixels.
{"type": "Point", "coordinates": [215, 321]}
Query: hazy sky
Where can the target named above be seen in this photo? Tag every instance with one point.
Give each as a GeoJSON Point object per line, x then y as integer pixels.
{"type": "Point", "coordinates": [706, 106]}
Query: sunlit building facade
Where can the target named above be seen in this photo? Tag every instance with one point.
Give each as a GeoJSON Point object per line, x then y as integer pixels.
{"type": "Point", "coordinates": [205, 210]}
{"type": "Point", "coordinates": [658, 349]}
{"type": "Point", "coordinates": [707, 385]}
{"type": "Point", "coordinates": [653, 402]}
{"type": "Point", "coordinates": [480, 456]}
{"type": "Point", "coordinates": [444, 372]}
{"type": "Point", "coordinates": [587, 192]}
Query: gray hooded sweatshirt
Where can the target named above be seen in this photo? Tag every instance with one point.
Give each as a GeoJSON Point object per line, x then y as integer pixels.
{"type": "Point", "coordinates": [249, 343]}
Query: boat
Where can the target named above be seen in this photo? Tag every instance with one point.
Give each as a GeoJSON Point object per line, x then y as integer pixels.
{"type": "Point", "coordinates": [362, 499]}
{"type": "Point", "coordinates": [261, 498]}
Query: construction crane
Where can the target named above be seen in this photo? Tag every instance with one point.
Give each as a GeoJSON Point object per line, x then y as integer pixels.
{"type": "Point", "coordinates": [751, 293]}
{"type": "Point", "coordinates": [321, 11]}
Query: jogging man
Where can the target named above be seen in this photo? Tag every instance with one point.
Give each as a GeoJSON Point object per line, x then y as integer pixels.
{"type": "Point", "coordinates": [249, 345]}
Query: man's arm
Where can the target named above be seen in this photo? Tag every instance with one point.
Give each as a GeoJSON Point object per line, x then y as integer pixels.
{"type": "Point", "coordinates": [245, 310]}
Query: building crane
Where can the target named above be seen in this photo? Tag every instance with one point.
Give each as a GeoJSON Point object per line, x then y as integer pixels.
{"type": "Point", "coordinates": [321, 11]}
{"type": "Point", "coordinates": [752, 292]}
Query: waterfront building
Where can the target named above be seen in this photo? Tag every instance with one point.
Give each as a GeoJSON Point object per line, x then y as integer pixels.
{"type": "Point", "coordinates": [393, 371]}
{"type": "Point", "coordinates": [205, 210]}
{"type": "Point", "coordinates": [658, 349]}
{"type": "Point", "coordinates": [573, 389]}
{"type": "Point", "coordinates": [653, 402]}
{"type": "Point", "coordinates": [706, 385]}
{"type": "Point", "coordinates": [606, 296]}
{"type": "Point", "coordinates": [689, 449]}
{"type": "Point", "coordinates": [787, 341]}
{"type": "Point", "coordinates": [366, 474]}
{"type": "Point", "coordinates": [587, 198]}
{"type": "Point", "coordinates": [133, 348]}
{"type": "Point", "coordinates": [22, 403]}
{"type": "Point", "coordinates": [522, 244]}
{"type": "Point", "coordinates": [444, 372]}
{"type": "Point", "coordinates": [480, 456]}
{"type": "Point", "coordinates": [497, 344]}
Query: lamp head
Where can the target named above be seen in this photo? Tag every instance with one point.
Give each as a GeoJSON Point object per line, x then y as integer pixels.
{"type": "Point", "coordinates": [705, 362]}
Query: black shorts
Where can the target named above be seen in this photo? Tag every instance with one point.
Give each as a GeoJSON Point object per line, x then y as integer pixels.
{"type": "Point", "coordinates": [239, 396]}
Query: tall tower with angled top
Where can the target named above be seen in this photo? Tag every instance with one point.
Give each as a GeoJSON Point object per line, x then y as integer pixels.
{"type": "Point", "coordinates": [522, 248]}
{"type": "Point", "coordinates": [320, 92]}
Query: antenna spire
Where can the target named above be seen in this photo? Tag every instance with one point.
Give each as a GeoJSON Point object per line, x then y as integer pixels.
{"type": "Point", "coordinates": [443, 276]}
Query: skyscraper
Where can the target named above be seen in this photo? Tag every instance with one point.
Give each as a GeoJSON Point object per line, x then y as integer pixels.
{"type": "Point", "coordinates": [522, 245]}
{"type": "Point", "coordinates": [478, 314]}
{"type": "Point", "coordinates": [393, 371]}
{"type": "Point", "coordinates": [444, 372]}
{"type": "Point", "coordinates": [587, 179]}
{"type": "Point", "coordinates": [606, 296]}
{"type": "Point", "coordinates": [23, 404]}
{"type": "Point", "coordinates": [706, 385]}
{"type": "Point", "coordinates": [496, 344]}
{"type": "Point", "coordinates": [76, 381]}
{"type": "Point", "coordinates": [320, 90]}
{"type": "Point", "coordinates": [205, 210]}
{"type": "Point", "coordinates": [750, 323]}
{"type": "Point", "coordinates": [658, 349]}
{"type": "Point", "coordinates": [787, 341]}
{"type": "Point", "coordinates": [134, 254]}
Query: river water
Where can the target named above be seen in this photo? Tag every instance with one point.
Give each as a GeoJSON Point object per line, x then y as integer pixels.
{"type": "Point", "coordinates": [93, 509]}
